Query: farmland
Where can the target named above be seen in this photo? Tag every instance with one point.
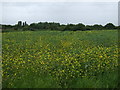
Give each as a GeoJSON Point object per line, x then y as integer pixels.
{"type": "Point", "coordinates": [60, 59]}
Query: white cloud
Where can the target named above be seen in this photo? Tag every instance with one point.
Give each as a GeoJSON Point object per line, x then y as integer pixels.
{"type": "Point", "coordinates": [59, 0]}
{"type": "Point", "coordinates": [87, 13]}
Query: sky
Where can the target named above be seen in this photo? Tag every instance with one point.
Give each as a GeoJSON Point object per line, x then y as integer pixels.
{"type": "Point", "coordinates": [88, 13]}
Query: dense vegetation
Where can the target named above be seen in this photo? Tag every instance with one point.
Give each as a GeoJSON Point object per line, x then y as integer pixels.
{"type": "Point", "coordinates": [23, 26]}
{"type": "Point", "coordinates": [57, 59]}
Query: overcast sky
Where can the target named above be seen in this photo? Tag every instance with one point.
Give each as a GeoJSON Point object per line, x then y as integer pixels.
{"type": "Point", "coordinates": [63, 12]}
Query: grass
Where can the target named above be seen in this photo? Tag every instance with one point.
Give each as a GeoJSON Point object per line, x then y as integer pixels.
{"type": "Point", "coordinates": [60, 59]}
{"type": "Point", "coordinates": [106, 80]}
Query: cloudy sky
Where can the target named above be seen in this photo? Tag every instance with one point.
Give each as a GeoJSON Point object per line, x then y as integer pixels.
{"type": "Point", "coordinates": [63, 12]}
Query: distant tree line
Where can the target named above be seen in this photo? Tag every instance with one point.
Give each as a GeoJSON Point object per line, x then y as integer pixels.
{"type": "Point", "coordinates": [23, 26]}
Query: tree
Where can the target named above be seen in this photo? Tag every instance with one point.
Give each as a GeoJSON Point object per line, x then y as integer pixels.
{"type": "Point", "coordinates": [25, 23]}
{"type": "Point", "coordinates": [62, 27]}
{"type": "Point", "coordinates": [109, 26]}
{"type": "Point", "coordinates": [19, 23]}
{"type": "Point", "coordinates": [25, 28]}
{"type": "Point", "coordinates": [7, 26]}
{"type": "Point", "coordinates": [69, 27]}
{"type": "Point", "coordinates": [89, 27]}
{"type": "Point", "coordinates": [0, 26]}
{"type": "Point", "coordinates": [97, 27]}
{"type": "Point", "coordinates": [118, 27]}
{"type": "Point", "coordinates": [80, 26]}
{"type": "Point", "coordinates": [32, 26]}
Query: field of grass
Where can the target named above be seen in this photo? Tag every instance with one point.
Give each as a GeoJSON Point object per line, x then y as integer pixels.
{"type": "Point", "coordinates": [60, 59]}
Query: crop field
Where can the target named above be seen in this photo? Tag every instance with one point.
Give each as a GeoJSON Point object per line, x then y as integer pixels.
{"type": "Point", "coordinates": [60, 59]}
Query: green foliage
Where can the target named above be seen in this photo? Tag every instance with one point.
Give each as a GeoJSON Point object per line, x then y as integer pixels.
{"type": "Point", "coordinates": [19, 24]}
{"type": "Point", "coordinates": [72, 27]}
{"type": "Point", "coordinates": [60, 59]}
{"type": "Point", "coordinates": [118, 27]}
{"type": "Point", "coordinates": [97, 27]}
{"type": "Point", "coordinates": [103, 80]}
{"type": "Point", "coordinates": [109, 26]}
{"type": "Point", "coordinates": [23, 26]}
{"type": "Point", "coordinates": [45, 25]}
{"type": "Point", "coordinates": [80, 26]}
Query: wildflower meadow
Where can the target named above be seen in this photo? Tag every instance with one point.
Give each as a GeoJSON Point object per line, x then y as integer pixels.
{"type": "Point", "coordinates": [60, 59]}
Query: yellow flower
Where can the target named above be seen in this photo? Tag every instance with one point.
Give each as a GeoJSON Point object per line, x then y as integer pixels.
{"type": "Point", "coordinates": [100, 56]}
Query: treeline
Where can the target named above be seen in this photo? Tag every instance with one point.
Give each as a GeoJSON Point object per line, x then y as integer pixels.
{"type": "Point", "coordinates": [23, 26]}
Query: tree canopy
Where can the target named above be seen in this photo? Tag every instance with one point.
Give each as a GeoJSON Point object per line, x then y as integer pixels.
{"type": "Point", "coordinates": [57, 26]}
